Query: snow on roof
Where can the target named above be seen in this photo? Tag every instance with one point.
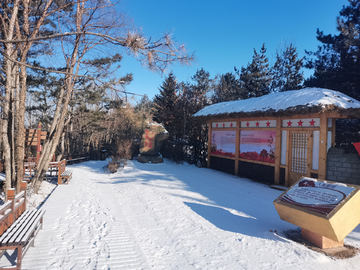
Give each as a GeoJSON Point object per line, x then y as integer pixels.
{"type": "Point", "coordinates": [275, 102]}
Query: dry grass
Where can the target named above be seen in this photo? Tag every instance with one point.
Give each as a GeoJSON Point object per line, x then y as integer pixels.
{"type": "Point", "coordinates": [121, 155]}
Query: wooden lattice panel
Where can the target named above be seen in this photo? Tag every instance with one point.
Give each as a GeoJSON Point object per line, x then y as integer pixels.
{"type": "Point", "coordinates": [298, 159]}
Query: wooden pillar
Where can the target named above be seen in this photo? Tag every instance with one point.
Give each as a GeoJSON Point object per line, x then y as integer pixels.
{"type": "Point", "coordinates": [237, 147]}
{"type": "Point", "coordinates": [277, 151]}
{"type": "Point", "coordinates": [333, 132]}
{"type": "Point", "coordinates": [23, 188]}
{"type": "Point", "coordinates": [11, 197]}
{"type": "Point", "coordinates": [38, 147]}
{"type": "Point", "coordinates": [288, 158]}
{"type": "Point", "coordinates": [209, 144]}
{"type": "Point", "coordinates": [323, 146]}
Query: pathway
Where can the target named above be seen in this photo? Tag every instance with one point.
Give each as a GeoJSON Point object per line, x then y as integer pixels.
{"type": "Point", "coordinates": [84, 227]}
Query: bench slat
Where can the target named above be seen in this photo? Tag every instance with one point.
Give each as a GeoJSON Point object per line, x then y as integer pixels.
{"type": "Point", "coordinates": [17, 229]}
{"type": "Point", "coordinates": [67, 172]}
{"type": "Point", "coordinates": [7, 234]}
{"type": "Point", "coordinates": [23, 228]}
{"type": "Point", "coordinates": [30, 228]}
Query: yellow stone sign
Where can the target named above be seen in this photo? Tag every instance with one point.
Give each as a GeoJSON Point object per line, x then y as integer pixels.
{"type": "Point", "coordinates": [326, 208]}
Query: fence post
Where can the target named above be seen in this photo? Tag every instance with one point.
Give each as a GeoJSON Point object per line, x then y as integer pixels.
{"type": "Point", "coordinates": [38, 147]}
{"type": "Point", "coordinates": [11, 197]}
{"type": "Point", "coordinates": [23, 188]}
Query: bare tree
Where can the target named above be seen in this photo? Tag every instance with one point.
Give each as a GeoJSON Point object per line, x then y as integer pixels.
{"type": "Point", "coordinates": [81, 27]}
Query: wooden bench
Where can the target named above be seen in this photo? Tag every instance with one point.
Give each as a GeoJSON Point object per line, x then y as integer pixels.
{"type": "Point", "coordinates": [76, 160]}
{"type": "Point", "coordinates": [18, 226]}
{"type": "Point", "coordinates": [64, 175]}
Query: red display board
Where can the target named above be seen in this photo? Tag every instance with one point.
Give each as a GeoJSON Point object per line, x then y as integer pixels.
{"type": "Point", "coordinates": [223, 143]}
{"type": "Point", "coordinates": [258, 145]}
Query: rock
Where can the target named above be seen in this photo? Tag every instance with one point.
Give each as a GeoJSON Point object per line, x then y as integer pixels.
{"type": "Point", "coordinates": [151, 142]}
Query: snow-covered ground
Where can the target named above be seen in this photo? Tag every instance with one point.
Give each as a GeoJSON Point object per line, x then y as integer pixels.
{"type": "Point", "coordinates": [168, 216]}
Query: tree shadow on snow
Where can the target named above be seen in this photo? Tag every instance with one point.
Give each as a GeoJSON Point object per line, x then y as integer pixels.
{"type": "Point", "coordinates": [227, 221]}
{"type": "Point", "coordinates": [251, 204]}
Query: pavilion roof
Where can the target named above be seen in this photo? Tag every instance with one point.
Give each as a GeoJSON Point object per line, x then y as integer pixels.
{"type": "Point", "coordinates": [303, 101]}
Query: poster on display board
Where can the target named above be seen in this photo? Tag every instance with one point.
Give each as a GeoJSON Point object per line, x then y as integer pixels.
{"type": "Point", "coordinates": [223, 143]}
{"type": "Point", "coordinates": [258, 145]}
{"type": "Point", "coordinates": [316, 195]}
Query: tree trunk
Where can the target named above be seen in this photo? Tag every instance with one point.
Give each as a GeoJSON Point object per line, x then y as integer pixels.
{"type": "Point", "coordinates": [10, 83]}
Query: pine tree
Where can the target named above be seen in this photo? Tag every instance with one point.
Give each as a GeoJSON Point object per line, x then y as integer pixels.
{"type": "Point", "coordinates": [336, 63]}
{"type": "Point", "coordinates": [286, 72]}
{"type": "Point", "coordinates": [203, 85]}
{"type": "Point", "coordinates": [227, 89]}
{"type": "Point", "coordinates": [144, 107]}
{"type": "Point", "coordinates": [255, 78]}
{"type": "Point", "coordinates": [165, 105]}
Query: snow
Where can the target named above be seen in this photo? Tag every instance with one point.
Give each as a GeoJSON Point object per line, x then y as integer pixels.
{"type": "Point", "coordinates": [310, 97]}
{"type": "Point", "coordinates": [168, 216]}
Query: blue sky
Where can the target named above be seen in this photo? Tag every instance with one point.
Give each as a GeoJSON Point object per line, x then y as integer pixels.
{"type": "Point", "coordinates": [224, 33]}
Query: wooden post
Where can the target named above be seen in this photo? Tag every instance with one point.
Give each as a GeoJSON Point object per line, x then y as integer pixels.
{"type": "Point", "coordinates": [237, 147]}
{"type": "Point", "coordinates": [323, 146]}
{"type": "Point", "coordinates": [209, 144]}
{"type": "Point", "coordinates": [23, 188]}
{"type": "Point", "coordinates": [277, 151]}
{"type": "Point", "coordinates": [11, 197]}
{"type": "Point", "coordinates": [333, 132]}
{"type": "Point", "coordinates": [38, 147]}
{"type": "Point", "coordinates": [288, 158]}
{"type": "Point", "coordinates": [19, 257]}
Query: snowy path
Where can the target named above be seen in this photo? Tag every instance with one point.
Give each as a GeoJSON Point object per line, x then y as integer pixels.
{"type": "Point", "coordinates": [168, 216]}
{"type": "Point", "coordinates": [85, 228]}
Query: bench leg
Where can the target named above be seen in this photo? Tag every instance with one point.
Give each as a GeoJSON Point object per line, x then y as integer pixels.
{"type": "Point", "coordinates": [19, 257]}
{"type": "Point", "coordinates": [67, 179]}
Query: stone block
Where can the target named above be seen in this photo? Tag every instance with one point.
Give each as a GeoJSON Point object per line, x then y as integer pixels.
{"type": "Point", "coordinates": [331, 163]}
{"type": "Point", "coordinates": [351, 170]}
{"type": "Point", "coordinates": [346, 165]}
{"type": "Point", "coordinates": [341, 179]}
{"type": "Point", "coordinates": [337, 173]}
{"type": "Point", "coordinates": [341, 169]}
{"type": "Point", "coordinates": [346, 174]}
{"type": "Point", "coordinates": [356, 166]}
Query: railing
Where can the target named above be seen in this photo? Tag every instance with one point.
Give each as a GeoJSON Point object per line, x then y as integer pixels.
{"type": "Point", "coordinates": [13, 207]}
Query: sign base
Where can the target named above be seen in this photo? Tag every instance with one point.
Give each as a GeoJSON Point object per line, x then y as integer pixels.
{"type": "Point", "coordinates": [319, 240]}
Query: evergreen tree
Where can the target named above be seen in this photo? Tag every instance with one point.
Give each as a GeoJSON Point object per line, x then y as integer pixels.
{"type": "Point", "coordinates": [144, 107]}
{"type": "Point", "coordinates": [255, 78]}
{"type": "Point", "coordinates": [227, 89]}
{"type": "Point", "coordinates": [200, 89]}
{"type": "Point", "coordinates": [336, 62]}
{"type": "Point", "coordinates": [286, 74]}
{"type": "Point", "coordinates": [165, 106]}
